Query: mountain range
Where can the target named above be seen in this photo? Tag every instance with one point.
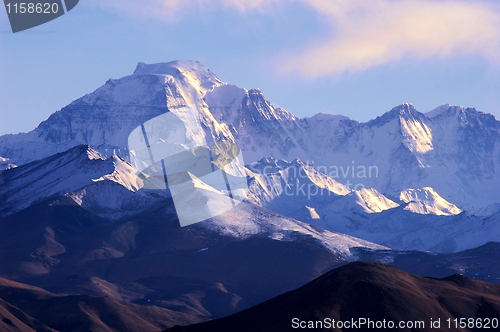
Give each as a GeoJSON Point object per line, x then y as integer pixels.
{"type": "Point", "coordinates": [417, 191]}
{"type": "Point", "coordinates": [452, 149]}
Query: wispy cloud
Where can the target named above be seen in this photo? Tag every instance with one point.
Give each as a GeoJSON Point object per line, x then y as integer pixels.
{"type": "Point", "coordinates": [376, 32]}
{"type": "Point", "coordinates": [365, 33]}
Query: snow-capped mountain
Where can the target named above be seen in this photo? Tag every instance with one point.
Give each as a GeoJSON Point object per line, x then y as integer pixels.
{"type": "Point", "coordinates": [399, 228]}
{"type": "Point", "coordinates": [289, 187]}
{"type": "Point", "coordinates": [106, 187]}
{"type": "Point", "coordinates": [286, 187]}
{"type": "Point", "coordinates": [82, 175]}
{"type": "Point", "coordinates": [454, 150]}
{"type": "Point", "coordinates": [105, 118]}
{"type": "Point", "coordinates": [417, 219]}
{"type": "Point", "coordinates": [417, 225]}
{"type": "Point", "coordinates": [76, 216]}
{"type": "Point", "coordinates": [427, 201]}
{"type": "Point", "coordinates": [77, 222]}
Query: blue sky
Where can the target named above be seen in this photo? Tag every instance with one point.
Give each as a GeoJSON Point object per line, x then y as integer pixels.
{"type": "Point", "coordinates": [356, 58]}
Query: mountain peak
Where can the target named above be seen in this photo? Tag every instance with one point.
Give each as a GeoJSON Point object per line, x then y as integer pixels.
{"type": "Point", "coordinates": [456, 110]}
{"type": "Point", "coordinates": [405, 111]}
{"type": "Point", "coordinates": [466, 117]}
{"type": "Point", "coordinates": [362, 289]}
{"type": "Point", "coordinates": [171, 68]}
{"type": "Point", "coordinates": [186, 74]}
{"type": "Point", "coordinates": [60, 173]}
{"type": "Point", "coordinates": [186, 68]}
{"type": "Point", "coordinates": [438, 111]}
{"type": "Point", "coordinates": [427, 201]}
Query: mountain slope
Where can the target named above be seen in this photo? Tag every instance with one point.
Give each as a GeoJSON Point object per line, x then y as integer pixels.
{"type": "Point", "coordinates": [63, 173]}
{"type": "Point", "coordinates": [302, 192]}
{"type": "Point", "coordinates": [369, 291]}
{"type": "Point", "coordinates": [22, 186]}
{"type": "Point", "coordinates": [285, 187]}
{"type": "Point", "coordinates": [427, 201]}
{"type": "Point", "coordinates": [105, 239]}
{"type": "Point", "coordinates": [84, 313]}
{"type": "Point", "coordinates": [398, 228]}
{"type": "Point", "coordinates": [106, 188]}
{"type": "Point", "coordinates": [13, 319]}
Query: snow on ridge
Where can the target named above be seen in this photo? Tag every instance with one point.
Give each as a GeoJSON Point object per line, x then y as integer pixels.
{"type": "Point", "coordinates": [364, 200]}
{"type": "Point", "coordinates": [313, 213]}
{"type": "Point", "coordinates": [224, 101]}
{"type": "Point", "coordinates": [166, 68]}
{"type": "Point", "coordinates": [324, 181]}
{"type": "Point", "coordinates": [454, 110]}
{"type": "Point", "coordinates": [60, 174]}
{"type": "Point", "coordinates": [401, 111]}
{"type": "Point", "coordinates": [5, 163]}
{"type": "Point", "coordinates": [427, 201]}
{"type": "Point", "coordinates": [77, 197]}
{"type": "Point", "coordinates": [437, 111]}
{"type": "Point", "coordinates": [93, 154]}
{"type": "Point", "coordinates": [284, 186]}
{"type": "Point", "coordinates": [372, 201]}
{"type": "Point", "coordinates": [124, 174]}
{"type": "Point", "coordinates": [248, 220]}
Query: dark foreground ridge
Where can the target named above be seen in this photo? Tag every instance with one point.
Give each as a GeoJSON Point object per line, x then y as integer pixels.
{"type": "Point", "coordinates": [367, 290]}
